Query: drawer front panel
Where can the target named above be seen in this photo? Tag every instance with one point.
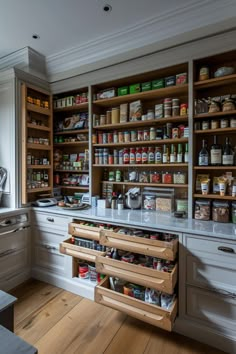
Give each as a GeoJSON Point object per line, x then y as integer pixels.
{"type": "Point", "coordinates": [87, 254]}
{"type": "Point", "coordinates": [13, 264]}
{"type": "Point", "coordinates": [47, 256]}
{"type": "Point", "coordinates": [150, 278]}
{"type": "Point", "coordinates": [136, 308]}
{"type": "Point", "coordinates": [40, 236]}
{"type": "Point", "coordinates": [217, 310]}
{"type": "Point", "coordinates": [224, 250]}
{"type": "Point", "coordinates": [13, 241]}
{"type": "Point", "coordinates": [90, 232]}
{"type": "Point", "coordinates": [155, 248]}
{"type": "Point", "coordinates": [210, 273]}
{"type": "Point", "coordinates": [58, 222]}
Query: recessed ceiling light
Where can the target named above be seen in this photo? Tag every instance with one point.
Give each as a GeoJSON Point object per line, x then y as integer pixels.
{"type": "Point", "coordinates": [107, 8]}
{"type": "Point", "coordinates": [35, 36]}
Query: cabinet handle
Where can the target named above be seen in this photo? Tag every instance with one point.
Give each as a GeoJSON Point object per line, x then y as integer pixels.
{"type": "Point", "coordinates": [50, 219]}
{"type": "Point", "coordinates": [226, 249]}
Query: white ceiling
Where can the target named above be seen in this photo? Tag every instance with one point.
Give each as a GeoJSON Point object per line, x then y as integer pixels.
{"type": "Point", "coordinates": [82, 28]}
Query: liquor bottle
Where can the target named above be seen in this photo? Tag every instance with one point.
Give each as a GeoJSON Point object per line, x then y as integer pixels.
{"type": "Point", "coordinates": [180, 154]}
{"type": "Point", "coordinates": [203, 157]}
{"type": "Point", "coordinates": [173, 155]}
{"type": "Point", "coordinates": [228, 154]}
{"type": "Point", "coordinates": [186, 153]}
{"type": "Point", "coordinates": [216, 153]}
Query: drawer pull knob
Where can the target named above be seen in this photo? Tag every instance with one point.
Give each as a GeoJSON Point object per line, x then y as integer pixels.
{"type": "Point", "coordinates": [50, 219]}
{"type": "Point", "coordinates": [226, 249]}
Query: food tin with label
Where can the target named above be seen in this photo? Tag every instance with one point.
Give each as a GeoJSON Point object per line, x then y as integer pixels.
{"type": "Point", "coordinates": [224, 123]}
{"type": "Point", "coordinates": [133, 135]}
{"type": "Point", "coordinates": [140, 135]}
{"type": "Point", "coordinates": [214, 124]}
{"type": "Point", "coordinates": [121, 137]}
{"type": "Point", "coordinates": [127, 136]}
{"type": "Point", "coordinates": [233, 123]}
{"type": "Point", "coordinates": [152, 133]}
{"type": "Point", "coordinates": [205, 125]}
{"type": "Point", "coordinates": [146, 135]}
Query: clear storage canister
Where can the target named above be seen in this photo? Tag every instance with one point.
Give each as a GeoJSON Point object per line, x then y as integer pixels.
{"type": "Point", "coordinates": [220, 211]}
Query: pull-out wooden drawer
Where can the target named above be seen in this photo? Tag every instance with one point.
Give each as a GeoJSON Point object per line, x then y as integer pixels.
{"type": "Point", "coordinates": [155, 248]}
{"type": "Point", "coordinates": [79, 229]}
{"type": "Point", "coordinates": [138, 274]}
{"type": "Point", "coordinates": [152, 314]}
{"type": "Point", "coordinates": [66, 247]}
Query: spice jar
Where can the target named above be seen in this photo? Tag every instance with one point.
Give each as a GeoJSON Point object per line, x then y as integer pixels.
{"type": "Point", "coordinates": [220, 211]}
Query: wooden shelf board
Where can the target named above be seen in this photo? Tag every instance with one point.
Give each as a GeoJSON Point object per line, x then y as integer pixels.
{"type": "Point", "coordinates": [214, 168]}
{"type": "Point", "coordinates": [37, 109]}
{"type": "Point", "coordinates": [75, 131]}
{"type": "Point", "coordinates": [224, 80]}
{"type": "Point", "coordinates": [38, 127]}
{"type": "Point", "coordinates": [39, 167]}
{"type": "Point", "coordinates": [145, 165]}
{"type": "Point", "coordinates": [142, 123]}
{"type": "Point", "coordinates": [77, 107]}
{"type": "Point", "coordinates": [214, 131]}
{"type": "Point", "coordinates": [148, 184]}
{"type": "Point", "coordinates": [147, 95]}
{"type": "Point", "coordinates": [75, 187]}
{"type": "Point", "coordinates": [214, 196]}
{"type": "Point", "coordinates": [212, 115]}
{"type": "Point", "coordinates": [146, 142]}
{"type": "Point", "coordinates": [38, 146]}
{"type": "Point", "coordinates": [36, 190]}
{"type": "Point", "coordinates": [75, 143]}
{"type": "Point", "coordinates": [72, 171]}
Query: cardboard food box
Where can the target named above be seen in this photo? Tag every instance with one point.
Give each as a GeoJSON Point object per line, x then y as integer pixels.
{"type": "Point", "coordinates": [123, 112]}
{"type": "Point", "coordinates": [135, 111]}
{"type": "Point", "coordinates": [181, 79]}
{"type": "Point", "coordinates": [124, 90]}
{"type": "Point", "coordinates": [157, 84]}
{"type": "Point", "coordinates": [136, 88]}
{"type": "Point", "coordinates": [146, 86]}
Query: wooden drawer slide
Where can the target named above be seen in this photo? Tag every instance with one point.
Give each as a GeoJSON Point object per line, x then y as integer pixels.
{"type": "Point", "coordinates": [66, 247]}
{"type": "Point", "coordinates": [152, 314]}
{"type": "Point", "coordinates": [89, 232]}
{"type": "Point", "coordinates": [155, 248]}
{"type": "Point", "coordinates": [148, 277]}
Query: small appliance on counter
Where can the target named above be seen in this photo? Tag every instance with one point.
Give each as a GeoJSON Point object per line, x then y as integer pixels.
{"type": "Point", "coordinates": [133, 198]}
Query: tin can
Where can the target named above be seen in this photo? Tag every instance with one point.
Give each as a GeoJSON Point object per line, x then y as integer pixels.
{"type": "Point", "coordinates": [94, 138]}
{"type": "Point", "coordinates": [152, 133]}
{"type": "Point", "coordinates": [104, 138]}
{"type": "Point", "coordinates": [100, 137]}
{"type": "Point", "coordinates": [110, 159]}
{"type": "Point", "coordinates": [146, 135]}
{"type": "Point", "coordinates": [102, 119]}
{"type": "Point", "coordinates": [175, 133]}
{"type": "Point", "coordinates": [110, 138]}
{"type": "Point", "coordinates": [133, 135]}
{"type": "Point", "coordinates": [140, 135]}
{"type": "Point", "coordinates": [214, 124]}
{"type": "Point", "coordinates": [127, 136]}
{"type": "Point", "coordinates": [108, 117]}
{"type": "Point", "coordinates": [224, 123]}
{"type": "Point", "coordinates": [126, 156]}
{"type": "Point", "coordinates": [116, 160]}
{"type": "Point", "coordinates": [120, 157]}
{"type": "Point", "coordinates": [121, 137]}
{"type": "Point", "coordinates": [115, 137]}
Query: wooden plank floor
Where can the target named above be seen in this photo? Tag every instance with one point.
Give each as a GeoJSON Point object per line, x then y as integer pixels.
{"type": "Point", "coordinates": [58, 322]}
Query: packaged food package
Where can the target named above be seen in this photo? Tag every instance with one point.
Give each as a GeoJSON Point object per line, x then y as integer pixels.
{"type": "Point", "coordinates": [123, 112]}
{"type": "Point", "coordinates": [135, 111]}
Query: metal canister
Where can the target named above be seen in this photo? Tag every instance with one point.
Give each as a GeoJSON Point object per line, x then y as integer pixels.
{"type": "Point", "coordinates": [146, 135]}
{"type": "Point", "coordinates": [120, 157]}
{"type": "Point", "coordinates": [152, 133]}
{"type": "Point", "coordinates": [110, 137]}
{"type": "Point", "coordinates": [127, 136]}
{"type": "Point", "coordinates": [115, 153]}
{"type": "Point", "coordinates": [121, 137]}
{"type": "Point", "coordinates": [133, 135]}
{"type": "Point", "coordinates": [100, 137]}
{"type": "Point", "coordinates": [140, 135]}
{"type": "Point", "coordinates": [104, 138]}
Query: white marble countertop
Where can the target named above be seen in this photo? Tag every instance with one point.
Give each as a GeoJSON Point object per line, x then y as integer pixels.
{"type": "Point", "coordinates": [11, 211]}
{"type": "Point", "coordinates": [149, 220]}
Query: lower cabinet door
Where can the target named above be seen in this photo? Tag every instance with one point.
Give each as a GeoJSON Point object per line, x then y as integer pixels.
{"type": "Point", "coordinates": [48, 257]}
{"type": "Point", "coordinates": [215, 309]}
{"type": "Point", "coordinates": [145, 276]}
{"type": "Point", "coordinates": [14, 263]}
{"type": "Point", "coordinates": [152, 314]}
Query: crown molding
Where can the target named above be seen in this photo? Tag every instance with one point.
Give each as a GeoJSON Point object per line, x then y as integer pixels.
{"type": "Point", "coordinates": [147, 35]}
{"type": "Point", "coordinates": [26, 59]}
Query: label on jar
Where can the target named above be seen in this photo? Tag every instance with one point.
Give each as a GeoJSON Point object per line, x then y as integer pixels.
{"type": "Point", "coordinates": [205, 125]}
{"type": "Point", "coordinates": [224, 123]}
{"type": "Point", "coordinates": [227, 159]}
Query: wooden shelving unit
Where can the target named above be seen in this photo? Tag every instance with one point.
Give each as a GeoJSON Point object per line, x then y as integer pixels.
{"type": "Point", "coordinates": [36, 122]}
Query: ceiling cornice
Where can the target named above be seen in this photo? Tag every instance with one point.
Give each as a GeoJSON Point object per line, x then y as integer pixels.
{"type": "Point", "coordinates": [146, 35]}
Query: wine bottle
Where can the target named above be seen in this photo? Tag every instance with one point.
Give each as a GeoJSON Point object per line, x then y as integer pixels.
{"type": "Point", "coordinates": [216, 153]}
{"type": "Point", "coordinates": [228, 154]}
{"type": "Point", "coordinates": [180, 154]}
{"type": "Point", "coordinates": [203, 157]}
{"type": "Point", "coordinates": [173, 155]}
{"type": "Point", "coordinates": [186, 153]}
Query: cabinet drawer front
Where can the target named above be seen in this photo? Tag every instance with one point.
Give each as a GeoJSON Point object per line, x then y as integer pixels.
{"type": "Point", "coordinates": [217, 310]}
{"type": "Point", "coordinates": [53, 221]}
{"type": "Point", "coordinates": [48, 257]}
{"type": "Point", "coordinates": [148, 277]}
{"type": "Point", "coordinates": [90, 232]}
{"type": "Point", "coordinates": [87, 254]}
{"type": "Point", "coordinates": [211, 273]}
{"type": "Point", "coordinates": [41, 235]}
{"type": "Point", "coordinates": [223, 249]}
{"type": "Point", "coordinates": [146, 312]}
{"type": "Point", "coordinates": [13, 241]}
{"type": "Point", "coordinates": [13, 263]}
{"type": "Point", "coordinates": [155, 248]}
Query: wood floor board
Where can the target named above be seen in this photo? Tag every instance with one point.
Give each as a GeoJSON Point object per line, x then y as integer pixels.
{"type": "Point", "coordinates": [58, 322]}
{"type": "Point", "coordinates": [38, 323]}
{"type": "Point", "coordinates": [87, 328]}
